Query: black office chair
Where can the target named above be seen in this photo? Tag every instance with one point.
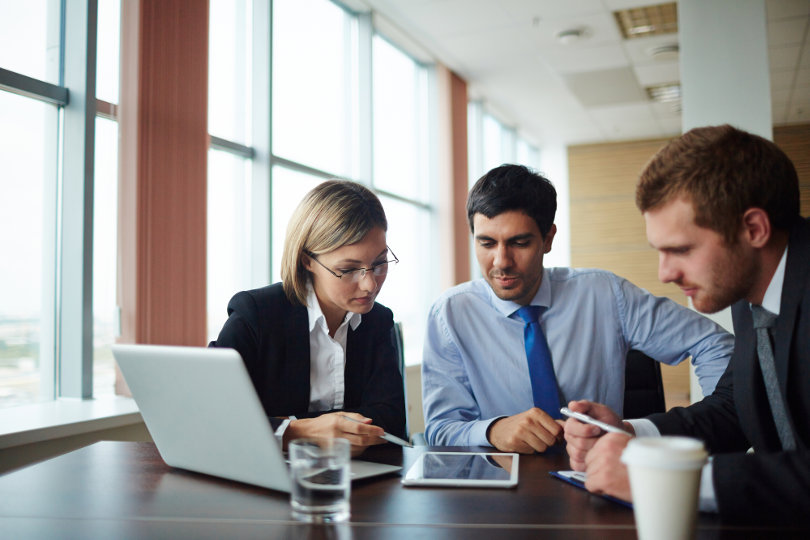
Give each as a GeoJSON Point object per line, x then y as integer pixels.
{"type": "Point", "coordinates": [643, 387]}
{"type": "Point", "coordinates": [400, 347]}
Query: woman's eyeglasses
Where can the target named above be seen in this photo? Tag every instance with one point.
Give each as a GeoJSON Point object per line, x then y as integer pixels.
{"type": "Point", "coordinates": [354, 275]}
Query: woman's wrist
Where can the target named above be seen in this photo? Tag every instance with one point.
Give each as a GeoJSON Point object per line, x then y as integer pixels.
{"type": "Point", "coordinates": [291, 432]}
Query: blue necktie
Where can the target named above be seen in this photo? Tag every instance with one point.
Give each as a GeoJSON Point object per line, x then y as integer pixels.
{"type": "Point", "coordinates": [541, 370]}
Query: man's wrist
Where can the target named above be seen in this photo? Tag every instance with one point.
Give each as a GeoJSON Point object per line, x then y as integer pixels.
{"type": "Point", "coordinates": [628, 427]}
{"type": "Point", "coordinates": [489, 428]}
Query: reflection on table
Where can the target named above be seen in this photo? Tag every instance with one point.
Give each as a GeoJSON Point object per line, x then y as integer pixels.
{"type": "Point", "coordinates": [125, 490]}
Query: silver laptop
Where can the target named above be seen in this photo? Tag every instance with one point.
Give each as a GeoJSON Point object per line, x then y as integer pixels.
{"type": "Point", "coordinates": [203, 413]}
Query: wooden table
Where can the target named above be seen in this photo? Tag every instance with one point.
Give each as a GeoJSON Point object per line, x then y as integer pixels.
{"type": "Point", "coordinates": [125, 490]}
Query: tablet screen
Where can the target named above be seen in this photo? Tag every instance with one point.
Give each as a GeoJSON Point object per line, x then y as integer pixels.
{"type": "Point", "coordinates": [463, 469]}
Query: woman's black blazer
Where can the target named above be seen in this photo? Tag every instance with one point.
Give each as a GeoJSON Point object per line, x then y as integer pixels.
{"type": "Point", "coordinates": [272, 336]}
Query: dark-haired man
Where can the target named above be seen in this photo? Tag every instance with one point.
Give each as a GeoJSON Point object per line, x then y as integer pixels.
{"type": "Point", "coordinates": [492, 376]}
{"type": "Point", "coordinates": [722, 209]}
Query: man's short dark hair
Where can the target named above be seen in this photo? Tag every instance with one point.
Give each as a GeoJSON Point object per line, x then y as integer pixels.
{"type": "Point", "coordinates": [514, 187]}
{"type": "Point", "coordinates": [723, 171]}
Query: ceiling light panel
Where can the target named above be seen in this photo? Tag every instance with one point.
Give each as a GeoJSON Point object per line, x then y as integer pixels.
{"type": "Point", "coordinates": [647, 20]}
{"type": "Point", "coordinates": [665, 93]}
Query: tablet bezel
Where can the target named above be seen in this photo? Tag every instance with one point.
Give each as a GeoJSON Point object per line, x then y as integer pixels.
{"type": "Point", "coordinates": [413, 476]}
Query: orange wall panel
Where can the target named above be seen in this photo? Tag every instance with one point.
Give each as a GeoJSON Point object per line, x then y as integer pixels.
{"type": "Point", "coordinates": [172, 157]}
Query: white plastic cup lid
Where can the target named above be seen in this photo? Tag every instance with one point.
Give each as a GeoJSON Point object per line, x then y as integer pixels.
{"type": "Point", "coordinates": [675, 453]}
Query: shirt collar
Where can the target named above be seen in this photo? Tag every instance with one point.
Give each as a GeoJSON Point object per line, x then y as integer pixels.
{"type": "Point", "coordinates": [316, 316]}
{"type": "Point", "coordinates": [772, 301]}
{"type": "Point", "coordinates": [541, 298]}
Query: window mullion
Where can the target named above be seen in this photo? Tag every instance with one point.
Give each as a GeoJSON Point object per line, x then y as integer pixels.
{"type": "Point", "coordinates": [509, 144]}
{"type": "Point", "coordinates": [476, 141]}
{"type": "Point", "coordinates": [364, 97]}
{"type": "Point", "coordinates": [23, 85]}
{"type": "Point", "coordinates": [231, 147]}
{"type": "Point", "coordinates": [261, 242]}
{"type": "Point", "coordinates": [75, 259]}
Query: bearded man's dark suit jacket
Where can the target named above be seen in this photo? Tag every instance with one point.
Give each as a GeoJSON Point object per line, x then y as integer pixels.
{"type": "Point", "coordinates": [770, 485]}
{"type": "Point", "coordinates": [272, 336]}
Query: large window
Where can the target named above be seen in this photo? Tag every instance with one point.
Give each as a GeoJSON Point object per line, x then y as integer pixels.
{"type": "Point", "coordinates": [315, 85]}
{"type": "Point", "coordinates": [53, 341]}
{"type": "Point", "coordinates": [345, 103]}
{"type": "Point", "coordinates": [106, 318]}
{"type": "Point", "coordinates": [229, 70]}
{"type": "Point", "coordinates": [27, 271]}
{"type": "Point", "coordinates": [29, 46]}
{"type": "Point", "coordinates": [232, 239]}
{"type": "Point", "coordinates": [348, 103]}
{"type": "Point", "coordinates": [402, 174]}
{"type": "Point", "coordinates": [30, 38]}
{"type": "Point", "coordinates": [105, 255]}
{"type": "Point", "coordinates": [229, 233]}
{"type": "Point", "coordinates": [492, 143]}
{"type": "Point", "coordinates": [401, 123]}
{"type": "Point", "coordinates": [289, 187]}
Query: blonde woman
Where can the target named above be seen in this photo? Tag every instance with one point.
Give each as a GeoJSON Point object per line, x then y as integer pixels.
{"type": "Point", "coordinates": [317, 346]}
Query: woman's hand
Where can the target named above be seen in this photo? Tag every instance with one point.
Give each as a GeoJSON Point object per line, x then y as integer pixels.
{"type": "Point", "coordinates": [360, 433]}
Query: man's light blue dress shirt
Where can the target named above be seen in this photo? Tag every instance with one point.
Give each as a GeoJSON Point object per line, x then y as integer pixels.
{"type": "Point", "coordinates": [474, 364]}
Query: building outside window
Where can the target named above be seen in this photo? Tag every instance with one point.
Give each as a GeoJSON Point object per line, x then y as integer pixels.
{"type": "Point", "coordinates": [43, 192]}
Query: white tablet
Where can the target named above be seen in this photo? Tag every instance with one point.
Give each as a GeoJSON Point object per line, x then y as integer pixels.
{"type": "Point", "coordinates": [463, 469]}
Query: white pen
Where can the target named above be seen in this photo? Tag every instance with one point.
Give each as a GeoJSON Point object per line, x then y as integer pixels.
{"type": "Point", "coordinates": [588, 420]}
{"type": "Point", "coordinates": [387, 436]}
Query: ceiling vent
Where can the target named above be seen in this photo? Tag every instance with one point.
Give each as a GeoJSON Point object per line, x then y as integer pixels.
{"type": "Point", "coordinates": [572, 35]}
{"type": "Point", "coordinates": [664, 53]}
{"type": "Point", "coordinates": [647, 21]}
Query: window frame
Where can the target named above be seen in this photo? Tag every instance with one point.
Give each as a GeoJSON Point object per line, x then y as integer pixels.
{"type": "Point", "coordinates": [74, 294]}
{"type": "Point", "coordinates": [66, 359]}
{"type": "Point", "coordinates": [264, 160]}
{"type": "Point", "coordinates": [66, 344]}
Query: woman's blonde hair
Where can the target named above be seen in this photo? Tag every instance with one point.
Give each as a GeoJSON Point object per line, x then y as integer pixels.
{"type": "Point", "coordinates": [334, 214]}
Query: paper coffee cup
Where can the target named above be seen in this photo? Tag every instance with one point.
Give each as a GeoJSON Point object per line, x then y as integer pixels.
{"type": "Point", "coordinates": [664, 481]}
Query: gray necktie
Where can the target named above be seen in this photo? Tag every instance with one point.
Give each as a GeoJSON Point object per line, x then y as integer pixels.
{"type": "Point", "coordinates": [763, 321]}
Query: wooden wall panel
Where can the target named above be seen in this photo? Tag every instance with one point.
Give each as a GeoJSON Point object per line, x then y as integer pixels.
{"type": "Point", "coordinates": [597, 226]}
{"type": "Point", "coordinates": [127, 290]}
{"type": "Point", "coordinates": [607, 231]}
{"type": "Point", "coordinates": [609, 170]}
{"type": "Point", "coordinates": [172, 157]}
{"type": "Point", "coordinates": [461, 228]}
{"type": "Point", "coordinates": [795, 141]}
{"type": "Point", "coordinates": [676, 385]}
{"type": "Point", "coordinates": [452, 161]}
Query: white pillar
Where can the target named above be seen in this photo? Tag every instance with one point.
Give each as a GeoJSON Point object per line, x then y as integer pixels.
{"type": "Point", "coordinates": [724, 64]}
{"type": "Point", "coordinates": [724, 77]}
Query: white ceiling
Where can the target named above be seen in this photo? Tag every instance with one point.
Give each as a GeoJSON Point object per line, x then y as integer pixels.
{"type": "Point", "coordinates": [590, 90]}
